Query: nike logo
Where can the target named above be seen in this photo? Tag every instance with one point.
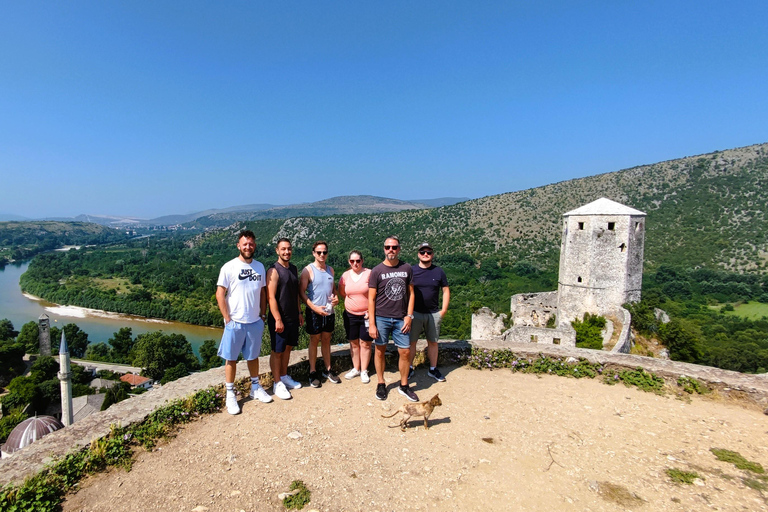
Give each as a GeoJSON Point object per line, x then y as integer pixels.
{"type": "Point", "coordinates": [248, 273]}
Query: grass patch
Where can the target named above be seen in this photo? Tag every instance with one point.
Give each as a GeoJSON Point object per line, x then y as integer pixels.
{"type": "Point", "coordinates": [737, 460]}
{"type": "Point", "coordinates": [751, 310]}
{"type": "Point", "coordinates": [682, 477]}
{"type": "Point", "coordinates": [619, 494]}
{"type": "Point", "coordinates": [298, 500]}
{"type": "Point", "coordinates": [754, 483]}
{"type": "Point", "coordinates": [691, 385]}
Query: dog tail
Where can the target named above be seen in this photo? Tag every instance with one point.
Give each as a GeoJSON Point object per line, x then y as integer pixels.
{"type": "Point", "coordinates": [390, 414]}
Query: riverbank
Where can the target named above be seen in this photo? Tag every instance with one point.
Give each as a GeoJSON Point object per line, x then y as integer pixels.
{"type": "Point", "coordinates": [80, 312]}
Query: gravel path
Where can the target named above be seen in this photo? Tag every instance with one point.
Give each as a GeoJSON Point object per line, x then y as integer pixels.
{"type": "Point", "coordinates": [501, 441]}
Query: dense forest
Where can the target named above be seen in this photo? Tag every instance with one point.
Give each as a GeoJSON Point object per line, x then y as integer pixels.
{"type": "Point", "coordinates": [22, 240]}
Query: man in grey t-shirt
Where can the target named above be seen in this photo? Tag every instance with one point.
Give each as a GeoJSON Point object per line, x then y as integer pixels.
{"type": "Point", "coordinates": [390, 311]}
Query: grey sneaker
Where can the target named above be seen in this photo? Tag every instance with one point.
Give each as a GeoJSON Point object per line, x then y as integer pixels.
{"type": "Point", "coordinates": [408, 393]}
{"type": "Point", "coordinates": [435, 374]}
{"type": "Point", "coordinates": [331, 376]}
{"type": "Point", "coordinates": [314, 380]}
{"type": "Point", "coordinates": [381, 392]}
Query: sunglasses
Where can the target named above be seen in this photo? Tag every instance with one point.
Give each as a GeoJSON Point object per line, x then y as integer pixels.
{"type": "Point", "coordinates": [391, 247]}
{"type": "Point", "coordinates": [321, 252]}
{"type": "Point", "coordinates": [355, 261]}
{"type": "Point", "coordinates": [425, 252]}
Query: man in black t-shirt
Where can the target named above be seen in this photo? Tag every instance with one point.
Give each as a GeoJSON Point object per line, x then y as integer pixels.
{"type": "Point", "coordinates": [390, 312]}
{"type": "Point", "coordinates": [428, 281]}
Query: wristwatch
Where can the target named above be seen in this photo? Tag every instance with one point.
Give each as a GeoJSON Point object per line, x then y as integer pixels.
{"type": "Point", "coordinates": [410, 316]}
{"type": "Point", "coordinates": [263, 317]}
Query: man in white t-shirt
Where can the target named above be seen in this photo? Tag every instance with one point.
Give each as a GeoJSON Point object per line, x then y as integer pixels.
{"type": "Point", "coordinates": [242, 298]}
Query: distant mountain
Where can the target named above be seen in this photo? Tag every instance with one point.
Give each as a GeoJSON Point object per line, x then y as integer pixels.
{"type": "Point", "coordinates": [340, 205]}
{"type": "Point", "coordinates": [706, 210]}
{"type": "Point", "coordinates": [4, 217]}
{"type": "Point", "coordinates": [171, 220]}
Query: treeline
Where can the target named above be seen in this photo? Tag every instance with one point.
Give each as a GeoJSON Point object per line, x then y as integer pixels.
{"type": "Point", "coordinates": [22, 240]}
{"type": "Point", "coordinates": [175, 279]}
{"type": "Point", "coordinates": [700, 330]}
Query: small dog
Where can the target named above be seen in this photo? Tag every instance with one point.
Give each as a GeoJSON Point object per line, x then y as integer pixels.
{"type": "Point", "coordinates": [420, 409]}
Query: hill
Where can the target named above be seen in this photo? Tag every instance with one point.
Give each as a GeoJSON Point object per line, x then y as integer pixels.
{"type": "Point", "coordinates": [706, 210]}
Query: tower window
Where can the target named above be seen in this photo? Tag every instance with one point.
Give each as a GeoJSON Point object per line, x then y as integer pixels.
{"type": "Point", "coordinates": [578, 279]}
{"type": "Point", "coordinates": [611, 226]}
{"type": "Point", "coordinates": [556, 341]}
{"type": "Point", "coordinates": [581, 225]}
{"type": "Point", "coordinates": [623, 247]}
{"type": "Point", "coordinates": [637, 226]}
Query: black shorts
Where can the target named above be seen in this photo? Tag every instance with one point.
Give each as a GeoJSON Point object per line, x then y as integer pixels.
{"type": "Point", "coordinates": [355, 327]}
{"type": "Point", "coordinates": [315, 324]}
{"type": "Point", "coordinates": [288, 338]}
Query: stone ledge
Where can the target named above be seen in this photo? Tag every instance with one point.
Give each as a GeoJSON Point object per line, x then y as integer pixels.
{"type": "Point", "coordinates": [134, 410]}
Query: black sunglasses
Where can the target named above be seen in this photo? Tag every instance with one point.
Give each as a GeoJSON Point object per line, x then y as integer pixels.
{"type": "Point", "coordinates": [425, 252]}
{"type": "Point", "coordinates": [355, 261]}
{"type": "Point", "coordinates": [388, 247]}
{"type": "Point", "coordinates": [321, 252]}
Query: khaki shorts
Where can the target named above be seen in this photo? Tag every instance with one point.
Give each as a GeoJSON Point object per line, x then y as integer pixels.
{"type": "Point", "coordinates": [429, 323]}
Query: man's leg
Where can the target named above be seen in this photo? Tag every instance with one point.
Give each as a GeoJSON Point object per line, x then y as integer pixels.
{"type": "Point", "coordinates": [325, 348]}
{"type": "Point", "coordinates": [380, 362]}
{"type": "Point", "coordinates": [230, 370]}
{"type": "Point", "coordinates": [432, 353]}
{"type": "Point", "coordinates": [275, 365]}
{"type": "Point", "coordinates": [253, 367]}
{"type": "Point", "coordinates": [314, 340]}
{"type": "Point", "coordinates": [285, 358]}
{"type": "Point", "coordinates": [404, 364]}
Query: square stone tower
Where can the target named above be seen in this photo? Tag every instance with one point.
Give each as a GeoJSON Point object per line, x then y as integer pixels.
{"type": "Point", "coordinates": [601, 259]}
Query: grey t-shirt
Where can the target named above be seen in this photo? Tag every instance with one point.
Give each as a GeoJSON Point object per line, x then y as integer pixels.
{"type": "Point", "coordinates": [391, 284]}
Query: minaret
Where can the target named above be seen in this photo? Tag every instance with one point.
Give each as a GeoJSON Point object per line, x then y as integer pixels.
{"type": "Point", "coordinates": [66, 382]}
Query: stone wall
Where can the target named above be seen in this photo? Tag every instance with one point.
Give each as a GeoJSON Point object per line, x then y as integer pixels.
{"type": "Point", "coordinates": [533, 309]}
{"type": "Point", "coordinates": [540, 335]}
{"type": "Point", "coordinates": [624, 343]}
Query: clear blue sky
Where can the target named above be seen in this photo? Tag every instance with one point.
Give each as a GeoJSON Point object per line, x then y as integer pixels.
{"type": "Point", "coordinates": [152, 108]}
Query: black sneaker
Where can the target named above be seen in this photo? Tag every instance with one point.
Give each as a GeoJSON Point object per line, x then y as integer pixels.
{"type": "Point", "coordinates": [381, 392]}
{"type": "Point", "coordinates": [435, 374]}
{"type": "Point", "coordinates": [314, 380]}
{"type": "Point", "coordinates": [328, 374]}
{"type": "Point", "coordinates": [408, 393]}
{"type": "Point", "coordinates": [410, 373]}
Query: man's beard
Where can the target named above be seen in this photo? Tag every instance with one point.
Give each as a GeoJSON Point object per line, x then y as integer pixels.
{"type": "Point", "coordinates": [391, 256]}
{"type": "Point", "coordinates": [246, 254]}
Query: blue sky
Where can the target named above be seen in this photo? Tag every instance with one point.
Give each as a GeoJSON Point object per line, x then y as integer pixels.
{"type": "Point", "coordinates": [152, 108]}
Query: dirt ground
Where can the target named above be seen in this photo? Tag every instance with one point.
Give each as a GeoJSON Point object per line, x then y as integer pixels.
{"type": "Point", "coordinates": [501, 441]}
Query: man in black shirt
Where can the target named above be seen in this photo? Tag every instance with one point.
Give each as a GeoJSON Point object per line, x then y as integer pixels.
{"type": "Point", "coordinates": [390, 312]}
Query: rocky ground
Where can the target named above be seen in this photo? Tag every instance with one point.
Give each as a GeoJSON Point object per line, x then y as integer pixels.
{"type": "Point", "coordinates": [501, 441]}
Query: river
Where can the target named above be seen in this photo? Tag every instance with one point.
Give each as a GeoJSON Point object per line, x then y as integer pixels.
{"type": "Point", "coordinates": [20, 309]}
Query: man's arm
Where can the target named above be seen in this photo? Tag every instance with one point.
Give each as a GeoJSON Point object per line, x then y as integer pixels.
{"type": "Point", "coordinates": [334, 290]}
{"type": "Point", "coordinates": [303, 284]}
{"type": "Point", "coordinates": [411, 304]}
{"type": "Point", "coordinates": [221, 300]}
{"type": "Point", "coordinates": [263, 303]}
{"type": "Point", "coordinates": [272, 282]}
{"type": "Point", "coordinates": [446, 300]}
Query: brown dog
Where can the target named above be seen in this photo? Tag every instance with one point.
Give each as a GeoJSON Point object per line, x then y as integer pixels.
{"type": "Point", "coordinates": [420, 409]}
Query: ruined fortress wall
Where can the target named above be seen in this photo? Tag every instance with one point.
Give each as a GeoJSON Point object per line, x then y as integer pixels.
{"type": "Point", "coordinates": [533, 309]}
{"type": "Point", "coordinates": [540, 335]}
{"type": "Point", "coordinates": [624, 343]}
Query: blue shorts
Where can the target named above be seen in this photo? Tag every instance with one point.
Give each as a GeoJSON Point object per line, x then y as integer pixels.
{"type": "Point", "coordinates": [392, 327]}
{"type": "Point", "coordinates": [245, 338]}
{"type": "Point", "coordinates": [280, 340]}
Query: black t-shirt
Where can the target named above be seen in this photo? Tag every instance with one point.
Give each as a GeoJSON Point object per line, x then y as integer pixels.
{"type": "Point", "coordinates": [427, 283]}
{"type": "Point", "coordinates": [287, 292]}
{"type": "Point", "coordinates": [391, 284]}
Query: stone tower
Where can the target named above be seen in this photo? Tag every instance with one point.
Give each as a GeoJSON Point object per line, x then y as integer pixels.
{"type": "Point", "coordinates": [601, 259]}
{"type": "Point", "coordinates": [65, 377]}
{"type": "Point", "coordinates": [44, 334]}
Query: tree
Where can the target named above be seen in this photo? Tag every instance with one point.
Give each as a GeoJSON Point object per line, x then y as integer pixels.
{"type": "Point", "coordinates": [122, 344]}
{"type": "Point", "coordinates": [177, 372]}
{"type": "Point", "coordinates": [11, 360]}
{"type": "Point", "coordinates": [6, 330]}
{"type": "Point", "coordinates": [682, 339]}
{"type": "Point", "coordinates": [156, 352]}
{"type": "Point", "coordinates": [98, 352]}
{"type": "Point", "coordinates": [115, 394]}
{"type": "Point", "coordinates": [28, 336]}
{"type": "Point", "coordinates": [77, 340]}
{"type": "Point", "coordinates": [22, 391]}
{"type": "Point", "coordinates": [589, 331]}
{"type": "Point", "coordinates": [209, 355]}
{"type": "Point", "coordinates": [44, 368]}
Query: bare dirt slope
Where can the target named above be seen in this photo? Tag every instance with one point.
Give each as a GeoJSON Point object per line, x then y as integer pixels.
{"type": "Point", "coordinates": [501, 441]}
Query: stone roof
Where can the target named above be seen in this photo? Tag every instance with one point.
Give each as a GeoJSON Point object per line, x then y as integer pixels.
{"type": "Point", "coordinates": [102, 383]}
{"type": "Point", "coordinates": [84, 406]}
{"type": "Point", "coordinates": [604, 206]}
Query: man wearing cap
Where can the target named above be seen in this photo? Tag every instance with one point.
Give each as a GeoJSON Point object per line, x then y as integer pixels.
{"type": "Point", "coordinates": [428, 280]}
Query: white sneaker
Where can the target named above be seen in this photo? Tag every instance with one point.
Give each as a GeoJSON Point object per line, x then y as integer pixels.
{"type": "Point", "coordinates": [258, 392]}
{"type": "Point", "coordinates": [280, 391]}
{"type": "Point", "coordinates": [351, 374]}
{"type": "Point", "coordinates": [364, 378]}
{"type": "Point", "coordinates": [289, 382]}
{"type": "Point", "coordinates": [232, 407]}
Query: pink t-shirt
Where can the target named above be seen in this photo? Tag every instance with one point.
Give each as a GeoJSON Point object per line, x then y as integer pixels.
{"type": "Point", "coordinates": [356, 302]}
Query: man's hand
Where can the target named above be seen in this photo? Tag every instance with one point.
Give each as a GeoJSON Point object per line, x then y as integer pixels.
{"type": "Point", "coordinates": [406, 325]}
{"type": "Point", "coordinates": [279, 327]}
{"type": "Point", "coordinates": [372, 331]}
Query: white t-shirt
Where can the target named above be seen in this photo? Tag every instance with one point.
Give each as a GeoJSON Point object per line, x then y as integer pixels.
{"type": "Point", "coordinates": [243, 282]}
